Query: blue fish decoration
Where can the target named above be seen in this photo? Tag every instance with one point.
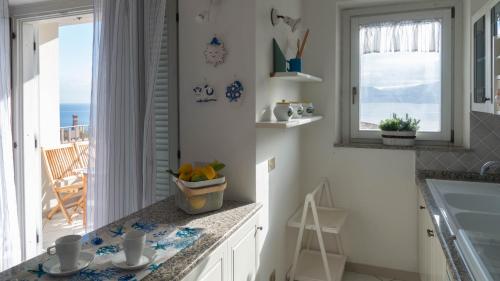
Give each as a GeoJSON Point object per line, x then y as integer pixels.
{"type": "Point", "coordinates": [106, 250]}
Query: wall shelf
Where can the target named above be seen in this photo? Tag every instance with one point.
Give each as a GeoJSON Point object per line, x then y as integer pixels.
{"type": "Point", "coordinates": [288, 124]}
{"type": "Point", "coordinates": [295, 76]}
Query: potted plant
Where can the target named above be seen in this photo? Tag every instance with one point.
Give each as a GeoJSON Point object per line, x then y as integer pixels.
{"type": "Point", "coordinates": [399, 131]}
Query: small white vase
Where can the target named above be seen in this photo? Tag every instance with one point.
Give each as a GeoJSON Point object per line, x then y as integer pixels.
{"type": "Point", "coordinates": [283, 111]}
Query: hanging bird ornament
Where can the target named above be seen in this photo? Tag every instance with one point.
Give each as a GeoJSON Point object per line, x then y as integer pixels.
{"type": "Point", "coordinates": [215, 52]}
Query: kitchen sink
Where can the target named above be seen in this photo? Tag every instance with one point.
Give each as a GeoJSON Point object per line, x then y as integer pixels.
{"type": "Point", "coordinates": [472, 202]}
{"type": "Point", "coordinates": [477, 222]}
{"type": "Point", "coordinates": [471, 211]}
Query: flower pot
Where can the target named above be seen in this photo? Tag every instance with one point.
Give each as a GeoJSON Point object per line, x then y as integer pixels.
{"type": "Point", "coordinates": [399, 138]}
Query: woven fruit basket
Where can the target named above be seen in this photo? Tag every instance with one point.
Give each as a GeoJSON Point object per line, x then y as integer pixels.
{"type": "Point", "coordinates": [200, 187]}
{"type": "Point", "coordinates": [199, 200]}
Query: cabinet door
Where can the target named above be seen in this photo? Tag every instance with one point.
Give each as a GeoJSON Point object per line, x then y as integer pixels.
{"type": "Point", "coordinates": [211, 268]}
{"type": "Point", "coordinates": [482, 64]}
{"type": "Point", "coordinates": [431, 259]}
{"type": "Point", "coordinates": [423, 241]}
{"type": "Point", "coordinates": [242, 252]}
{"type": "Point", "coordinates": [480, 60]}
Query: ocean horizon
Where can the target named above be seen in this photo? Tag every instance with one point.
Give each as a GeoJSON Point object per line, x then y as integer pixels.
{"type": "Point", "coordinates": [66, 111]}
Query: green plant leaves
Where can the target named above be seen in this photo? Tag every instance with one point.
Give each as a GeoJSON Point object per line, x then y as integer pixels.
{"type": "Point", "coordinates": [399, 124]}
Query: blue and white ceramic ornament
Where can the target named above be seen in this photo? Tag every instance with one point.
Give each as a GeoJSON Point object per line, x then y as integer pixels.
{"type": "Point", "coordinates": [215, 52]}
{"type": "Point", "coordinates": [234, 91]}
{"type": "Point", "coordinates": [204, 93]}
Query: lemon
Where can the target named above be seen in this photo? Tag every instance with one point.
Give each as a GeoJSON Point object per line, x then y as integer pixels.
{"type": "Point", "coordinates": [209, 172]}
{"type": "Point", "coordinates": [185, 176]}
{"type": "Point", "coordinates": [186, 168]}
{"type": "Point", "coordinates": [197, 202]}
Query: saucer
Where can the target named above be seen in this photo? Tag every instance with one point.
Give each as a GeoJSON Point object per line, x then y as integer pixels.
{"type": "Point", "coordinates": [53, 267]}
{"type": "Point", "coordinates": [119, 260]}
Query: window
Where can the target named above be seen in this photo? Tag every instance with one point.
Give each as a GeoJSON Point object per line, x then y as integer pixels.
{"type": "Point", "coordinates": [401, 64]}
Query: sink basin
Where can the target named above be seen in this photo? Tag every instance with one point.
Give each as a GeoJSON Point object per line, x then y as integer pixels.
{"type": "Point", "coordinates": [472, 212]}
{"type": "Point", "coordinates": [472, 202]}
{"type": "Point", "coordinates": [482, 223]}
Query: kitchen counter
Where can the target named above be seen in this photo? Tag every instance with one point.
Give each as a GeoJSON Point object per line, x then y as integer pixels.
{"type": "Point", "coordinates": [455, 261]}
{"type": "Point", "coordinates": [217, 225]}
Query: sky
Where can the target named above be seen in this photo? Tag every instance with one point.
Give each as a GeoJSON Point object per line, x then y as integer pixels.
{"type": "Point", "coordinates": [75, 63]}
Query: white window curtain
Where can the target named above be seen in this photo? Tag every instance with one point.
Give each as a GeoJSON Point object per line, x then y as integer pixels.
{"type": "Point", "coordinates": [403, 36]}
{"type": "Point", "coordinates": [10, 243]}
{"type": "Point", "coordinates": [122, 166]}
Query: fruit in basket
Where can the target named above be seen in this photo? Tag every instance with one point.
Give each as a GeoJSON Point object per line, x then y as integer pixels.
{"type": "Point", "coordinates": [185, 176]}
{"type": "Point", "coordinates": [186, 168]}
{"type": "Point", "coordinates": [197, 202]}
{"type": "Point", "coordinates": [209, 172]}
{"type": "Point", "coordinates": [189, 173]}
{"type": "Point", "coordinates": [198, 177]}
{"type": "Point", "coordinates": [217, 166]}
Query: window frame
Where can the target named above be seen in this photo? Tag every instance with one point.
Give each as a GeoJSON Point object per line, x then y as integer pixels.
{"type": "Point", "coordinates": [447, 53]}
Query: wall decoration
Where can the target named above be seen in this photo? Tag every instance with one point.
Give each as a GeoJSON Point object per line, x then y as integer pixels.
{"type": "Point", "coordinates": [204, 93]}
{"type": "Point", "coordinates": [234, 91]}
{"type": "Point", "coordinates": [215, 52]}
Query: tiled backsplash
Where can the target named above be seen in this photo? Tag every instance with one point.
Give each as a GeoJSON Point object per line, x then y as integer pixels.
{"type": "Point", "coordinates": [485, 146]}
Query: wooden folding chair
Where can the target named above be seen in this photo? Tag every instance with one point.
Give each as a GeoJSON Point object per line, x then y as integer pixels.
{"type": "Point", "coordinates": [61, 163]}
{"type": "Point", "coordinates": [82, 149]}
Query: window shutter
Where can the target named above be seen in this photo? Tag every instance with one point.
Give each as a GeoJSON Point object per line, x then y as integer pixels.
{"type": "Point", "coordinates": [161, 120]}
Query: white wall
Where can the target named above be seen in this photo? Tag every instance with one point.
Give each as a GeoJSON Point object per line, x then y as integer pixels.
{"type": "Point", "coordinates": [279, 190]}
{"type": "Point", "coordinates": [219, 130]}
{"type": "Point", "coordinates": [49, 100]}
{"type": "Point", "coordinates": [377, 186]}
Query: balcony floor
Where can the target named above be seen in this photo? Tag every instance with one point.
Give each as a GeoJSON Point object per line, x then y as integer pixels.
{"type": "Point", "coordinates": [57, 227]}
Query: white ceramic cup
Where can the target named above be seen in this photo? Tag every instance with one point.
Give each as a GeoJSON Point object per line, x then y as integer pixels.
{"type": "Point", "coordinates": [67, 249]}
{"type": "Point", "coordinates": [133, 245]}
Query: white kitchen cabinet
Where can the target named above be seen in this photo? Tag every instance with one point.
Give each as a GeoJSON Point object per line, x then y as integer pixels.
{"type": "Point", "coordinates": [212, 268]}
{"type": "Point", "coordinates": [242, 249]}
{"type": "Point", "coordinates": [234, 260]}
{"type": "Point", "coordinates": [431, 258]}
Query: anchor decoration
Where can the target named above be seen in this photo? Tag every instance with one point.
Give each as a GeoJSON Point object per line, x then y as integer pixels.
{"type": "Point", "coordinates": [234, 91]}
{"type": "Point", "coordinates": [215, 52]}
{"type": "Point", "coordinates": [204, 93]}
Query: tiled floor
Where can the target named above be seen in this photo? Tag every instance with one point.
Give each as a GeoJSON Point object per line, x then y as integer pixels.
{"type": "Point", "coordinates": [352, 276]}
{"type": "Point", "coordinates": [57, 227]}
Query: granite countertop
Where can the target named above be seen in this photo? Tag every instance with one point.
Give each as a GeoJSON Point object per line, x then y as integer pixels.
{"type": "Point", "coordinates": [217, 225]}
{"type": "Point", "coordinates": [456, 263]}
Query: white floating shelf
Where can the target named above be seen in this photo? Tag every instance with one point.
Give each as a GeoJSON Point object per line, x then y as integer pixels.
{"type": "Point", "coordinates": [310, 266]}
{"type": "Point", "coordinates": [331, 220]}
{"type": "Point", "coordinates": [288, 124]}
{"type": "Point", "coordinates": [295, 76]}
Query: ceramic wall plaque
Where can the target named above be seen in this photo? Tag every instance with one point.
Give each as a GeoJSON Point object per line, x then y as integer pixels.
{"type": "Point", "coordinates": [215, 52]}
{"type": "Point", "coordinates": [234, 91]}
{"type": "Point", "coordinates": [204, 93]}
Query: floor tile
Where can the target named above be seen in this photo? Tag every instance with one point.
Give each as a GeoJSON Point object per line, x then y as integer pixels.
{"type": "Point", "coordinates": [58, 226]}
{"type": "Point", "coordinates": [353, 276]}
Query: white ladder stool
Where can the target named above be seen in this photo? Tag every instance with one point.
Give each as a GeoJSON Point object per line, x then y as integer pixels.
{"type": "Point", "coordinates": [313, 265]}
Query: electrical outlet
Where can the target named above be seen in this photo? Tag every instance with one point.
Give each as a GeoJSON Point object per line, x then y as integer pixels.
{"type": "Point", "coordinates": [272, 277]}
{"type": "Point", "coordinates": [271, 164]}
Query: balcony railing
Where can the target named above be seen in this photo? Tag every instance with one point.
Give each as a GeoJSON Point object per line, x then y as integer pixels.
{"type": "Point", "coordinates": [74, 133]}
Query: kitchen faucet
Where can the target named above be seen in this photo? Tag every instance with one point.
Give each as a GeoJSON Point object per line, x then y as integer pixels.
{"type": "Point", "coordinates": [486, 166]}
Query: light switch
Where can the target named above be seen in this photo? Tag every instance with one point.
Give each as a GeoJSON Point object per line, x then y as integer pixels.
{"type": "Point", "coordinates": [271, 164]}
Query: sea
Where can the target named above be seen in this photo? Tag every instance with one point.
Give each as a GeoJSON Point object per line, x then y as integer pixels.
{"type": "Point", "coordinates": [66, 111]}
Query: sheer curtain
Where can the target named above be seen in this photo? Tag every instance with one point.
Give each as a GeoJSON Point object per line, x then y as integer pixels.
{"type": "Point", "coordinates": [404, 36]}
{"type": "Point", "coordinates": [127, 38]}
{"type": "Point", "coordinates": [10, 244]}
